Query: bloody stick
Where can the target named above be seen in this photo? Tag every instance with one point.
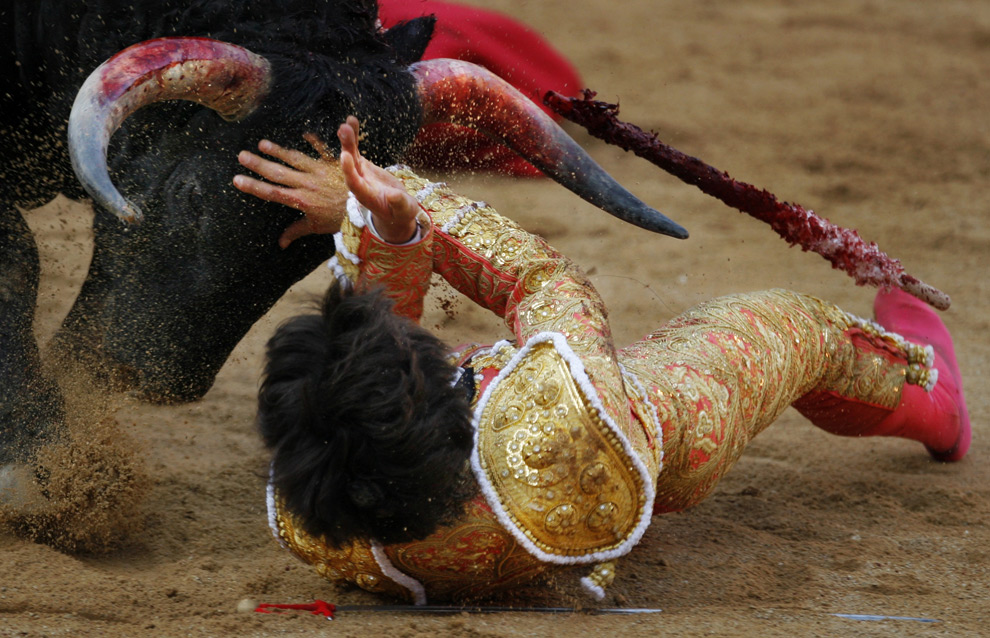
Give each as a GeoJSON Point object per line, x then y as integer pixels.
{"type": "Point", "coordinates": [842, 247]}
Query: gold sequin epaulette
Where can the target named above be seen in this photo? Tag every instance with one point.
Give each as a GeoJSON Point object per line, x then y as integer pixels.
{"type": "Point", "coordinates": [556, 471]}
{"type": "Point", "coordinates": [448, 210]}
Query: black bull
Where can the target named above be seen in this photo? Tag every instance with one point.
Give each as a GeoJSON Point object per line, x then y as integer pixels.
{"type": "Point", "coordinates": [166, 300]}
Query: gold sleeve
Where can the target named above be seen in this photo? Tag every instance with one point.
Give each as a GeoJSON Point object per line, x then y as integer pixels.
{"type": "Point", "coordinates": [368, 262]}
{"type": "Point", "coordinates": [521, 278]}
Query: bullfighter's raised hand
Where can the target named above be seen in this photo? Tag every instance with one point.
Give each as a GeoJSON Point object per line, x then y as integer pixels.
{"type": "Point", "coordinates": [318, 187]}
{"type": "Point", "coordinates": [394, 210]}
{"type": "Point", "coordinates": [313, 186]}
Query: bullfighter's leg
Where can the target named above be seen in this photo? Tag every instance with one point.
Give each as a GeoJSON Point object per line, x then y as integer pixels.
{"type": "Point", "coordinates": [31, 405]}
{"type": "Point", "coordinates": [723, 371]}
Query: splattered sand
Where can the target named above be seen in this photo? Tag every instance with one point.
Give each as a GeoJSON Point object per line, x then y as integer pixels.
{"type": "Point", "coordinates": [872, 112]}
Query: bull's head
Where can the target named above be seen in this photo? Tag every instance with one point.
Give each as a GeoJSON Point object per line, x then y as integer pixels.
{"type": "Point", "coordinates": [195, 274]}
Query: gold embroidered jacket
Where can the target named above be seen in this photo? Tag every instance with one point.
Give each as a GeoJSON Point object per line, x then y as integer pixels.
{"type": "Point", "coordinates": [570, 434]}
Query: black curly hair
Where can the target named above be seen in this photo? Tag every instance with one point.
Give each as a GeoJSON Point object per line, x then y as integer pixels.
{"type": "Point", "coordinates": [368, 437]}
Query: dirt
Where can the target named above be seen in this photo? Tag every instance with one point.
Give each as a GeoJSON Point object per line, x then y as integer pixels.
{"type": "Point", "coordinates": [871, 112]}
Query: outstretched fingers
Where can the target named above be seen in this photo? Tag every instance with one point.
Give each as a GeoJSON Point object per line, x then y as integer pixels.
{"type": "Point", "coordinates": [299, 228]}
{"type": "Point", "coordinates": [358, 179]}
{"type": "Point", "coordinates": [268, 192]}
{"type": "Point", "coordinates": [295, 179]}
{"type": "Point", "coordinates": [349, 133]}
{"type": "Point", "coordinates": [393, 210]}
{"type": "Point", "coordinates": [320, 146]}
{"type": "Point", "coordinates": [272, 171]}
{"type": "Point", "coordinates": [296, 159]}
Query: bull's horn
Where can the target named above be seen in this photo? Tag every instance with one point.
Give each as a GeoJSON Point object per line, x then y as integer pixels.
{"type": "Point", "coordinates": [466, 94]}
{"type": "Point", "coordinates": [227, 78]}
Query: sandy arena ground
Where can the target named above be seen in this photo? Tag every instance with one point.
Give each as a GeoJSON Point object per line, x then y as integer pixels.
{"type": "Point", "coordinates": [872, 112]}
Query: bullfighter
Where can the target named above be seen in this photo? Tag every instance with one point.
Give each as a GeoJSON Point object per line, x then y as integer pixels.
{"type": "Point", "coordinates": [417, 471]}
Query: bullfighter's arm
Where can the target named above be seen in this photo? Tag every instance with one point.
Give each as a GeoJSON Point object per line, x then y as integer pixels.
{"type": "Point", "coordinates": [497, 264]}
{"type": "Point", "coordinates": [364, 259]}
{"type": "Point", "coordinates": [485, 256]}
{"type": "Point", "coordinates": [319, 187]}
{"type": "Point", "coordinates": [518, 276]}
{"type": "Point", "coordinates": [386, 238]}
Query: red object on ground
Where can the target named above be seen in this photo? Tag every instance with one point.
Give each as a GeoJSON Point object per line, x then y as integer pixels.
{"type": "Point", "coordinates": [317, 608]}
{"type": "Point", "coordinates": [843, 247]}
{"type": "Point", "coordinates": [505, 47]}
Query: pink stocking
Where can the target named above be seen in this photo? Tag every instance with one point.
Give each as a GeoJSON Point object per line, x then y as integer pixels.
{"type": "Point", "coordinates": [938, 419]}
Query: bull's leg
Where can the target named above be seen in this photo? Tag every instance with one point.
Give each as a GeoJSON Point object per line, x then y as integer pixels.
{"type": "Point", "coordinates": [68, 477]}
{"type": "Point", "coordinates": [31, 405]}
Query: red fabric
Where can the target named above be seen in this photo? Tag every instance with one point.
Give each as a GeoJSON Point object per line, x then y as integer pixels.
{"type": "Point", "coordinates": [842, 415]}
{"type": "Point", "coordinates": [505, 47]}
{"type": "Point", "coordinates": [317, 608]}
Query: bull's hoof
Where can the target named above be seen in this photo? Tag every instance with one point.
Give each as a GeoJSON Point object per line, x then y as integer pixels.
{"type": "Point", "coordinates": [18, 488]}
{"type": "Point", "coordinates": [82, 494]}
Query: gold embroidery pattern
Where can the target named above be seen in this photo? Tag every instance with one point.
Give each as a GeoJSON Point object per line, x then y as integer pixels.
{"type": "Point", "coordinates": [473, 558]}
{"type": "Point", "coordinates": [650, 450]}
{"type": "Point", "coordinates": [559, 471]}
{"type": "Point", "coordinates": [496, 358]}
{"type": "Point", "coordinates": [471, 277]}
{"type": "Point", "coordinates": [860, 370]}
{"type": "Point", "coordinates": [353, 564]}
{"type": "Point", "coordinates": [463, 354]}
{"type": "Point", "coordinates": [479, 256]}
{"type": "Point", "coordinates": [350, 236]}
{"type": "Point", "coordinates": [570, 306]}
{"type": "Point", "coordinates": [517, 275]}
{"type": "Point", "coordinates": [920, 359]}
{"type": "Point", "coordinates": [602, 575]}
{"type": "Point", "coordinates": [404, 271]}
{"type": "Point", "coordinates": [722, 372]}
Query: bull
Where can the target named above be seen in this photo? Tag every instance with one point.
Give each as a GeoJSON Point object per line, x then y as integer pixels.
{"type": "Point", "coordinates": [173, 288]}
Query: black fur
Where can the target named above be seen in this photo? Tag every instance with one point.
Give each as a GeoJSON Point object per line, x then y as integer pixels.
{"type": "Point", "coordinates": [369, 438]}
{"type": "Point", "coordinates": [165, 302]}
